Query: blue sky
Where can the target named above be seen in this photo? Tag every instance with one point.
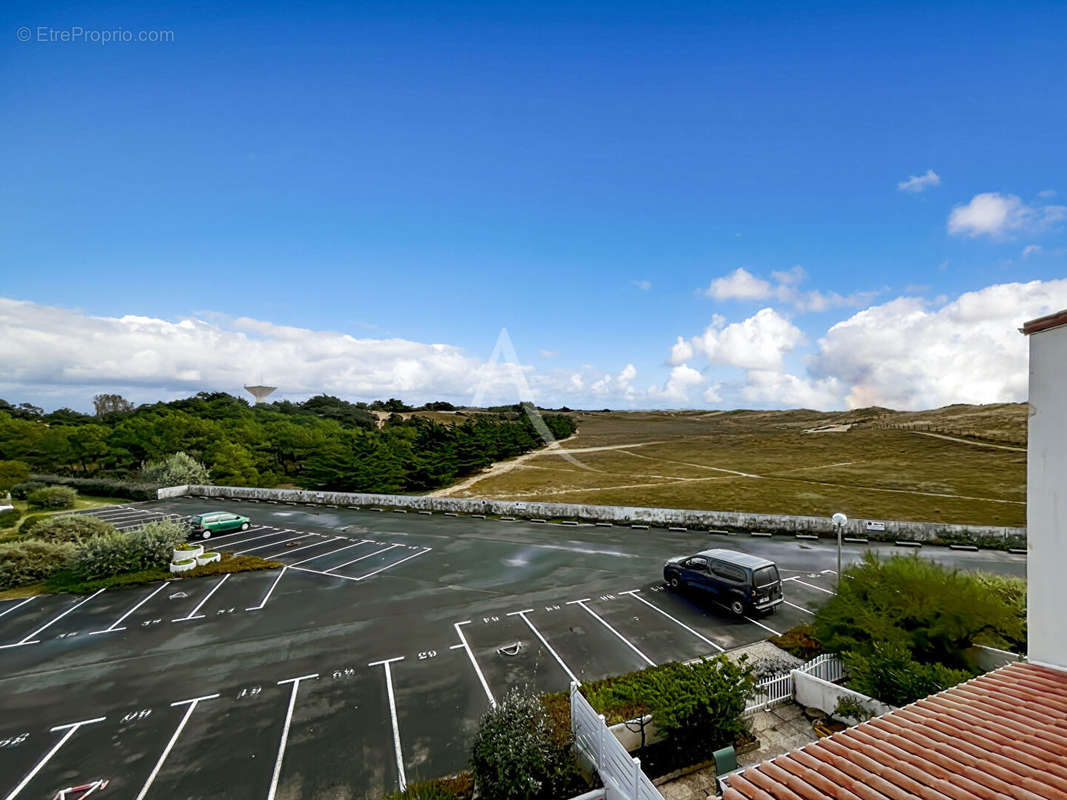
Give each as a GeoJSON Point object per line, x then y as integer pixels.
{"type": "Point", "coordinates": [434, 172]}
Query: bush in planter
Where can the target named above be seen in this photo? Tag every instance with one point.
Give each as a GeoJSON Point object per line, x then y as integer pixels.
{"type": "Point", "coordinates": [32, 560]}
{"type": "Point", "coordinates": [53, 498]}
{"type": "Point", "coordinates": [70, 528]}
{"type": "Point", "coordinates": [517, 754]}
{"type": "Point", "coordinates": [149, 548]}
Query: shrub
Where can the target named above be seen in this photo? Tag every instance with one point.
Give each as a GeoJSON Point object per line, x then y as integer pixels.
{"type": "Point", "coordinates": [149, 548]}
{"type": "Point", "coordinates": [53, 498]}
{"type": "Point", "coordinates": [799, 641]}
{"type": "Point", "coordinates": [32, 560]}
{"type": "Point", "coordinates": [933, 612]}
{"type": "Point", "coordinates": [175, 470]}
{"type": "Point", "coordinates": [31, 521]}
{"type": "Point", "coordinates": [9, 518]}
{"type": "Point", "coordinates": [104, 487]}
{"type": "Point", "coordinates": [20, 491]}
{"type": "Point", "coordinates": [516, 755]}
{"type": "Point", "coordinates": [459, 787]}
{"type": "Point", "coordinates": [890, 674]}
{"type": "Point", "coordinates": [70, 528]}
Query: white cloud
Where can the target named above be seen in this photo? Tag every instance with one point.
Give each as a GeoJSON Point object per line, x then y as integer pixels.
{"type": "Point", "coordinates": [739, 285]}
{"type": "Point", "coordinates": [758, 342]}
{"type": "Point", "coordinates": [682, 380]}
{"type": "Point", "coordinates": [1047, 193]}
{"type": "Point", "coordinates": [903, 354]}
{"type": "Point", "coordinates": [711, 394]}
{"type": "Point", "coordinates": [67, 353]}
{"type": "Point", "coordinates": [1000, 215]}
{"type": "Point", "coordinates": [681, 352]}
{"type": "Point", "coordinates": [548, 353]}
{"type": "Point", "coordinates": [644, 286]}
{"type": "Point", "coordinates": [1031, 250]}
{"type": "Point", "coordinates": [920, 183]}
{"type": "Point", "coordinates": [783, 390]}
{"type": "Point", "coordinates": [743, 285]}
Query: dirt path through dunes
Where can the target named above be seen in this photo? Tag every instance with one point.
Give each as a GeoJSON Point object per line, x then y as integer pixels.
{"type": "Point", "coordinates": [969, 441]}
{"type": "Point", "coordinates": [553, 448]}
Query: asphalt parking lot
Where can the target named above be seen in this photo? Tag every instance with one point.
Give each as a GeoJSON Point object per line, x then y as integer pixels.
{"type": "Point", "coordinates": [366, 661]}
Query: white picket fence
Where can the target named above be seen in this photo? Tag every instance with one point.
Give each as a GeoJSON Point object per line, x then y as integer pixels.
{"type": "Point", "coordinates": [778, 689]}
{"type": "Point", "coordinates": [621, 774]}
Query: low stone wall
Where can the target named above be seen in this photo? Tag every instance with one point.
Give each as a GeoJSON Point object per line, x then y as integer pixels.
{"type": "Point", "coordinates": [697, 520]}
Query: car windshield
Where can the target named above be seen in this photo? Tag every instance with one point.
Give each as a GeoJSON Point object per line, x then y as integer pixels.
{"type": "Point", "coordinates": [765, 576]}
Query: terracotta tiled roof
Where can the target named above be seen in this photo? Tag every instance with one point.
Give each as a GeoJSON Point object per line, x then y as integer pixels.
{"type": "Point", "coordinates": [1001, 735]}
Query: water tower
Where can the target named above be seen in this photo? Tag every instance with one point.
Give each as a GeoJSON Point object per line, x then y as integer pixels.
{"type": "Point", "coordinates": [261, 393]}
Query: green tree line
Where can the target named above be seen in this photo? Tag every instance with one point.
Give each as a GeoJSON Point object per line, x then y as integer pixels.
{"type": "Point", "coordinates": [322, 443]}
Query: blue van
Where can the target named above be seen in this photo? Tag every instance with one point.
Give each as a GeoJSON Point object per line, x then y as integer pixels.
{"type": "Point", "coordinates": [740, 582]}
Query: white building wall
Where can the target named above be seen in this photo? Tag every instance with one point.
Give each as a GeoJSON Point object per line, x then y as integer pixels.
{"type": "Point", "coordinates": [1047, 499]}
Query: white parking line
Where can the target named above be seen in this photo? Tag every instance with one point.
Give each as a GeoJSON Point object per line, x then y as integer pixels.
{"type": "Point", "coordinates": [71, 727]}
{"type": "Point", "coordinates": [270, 591]}
{"type": "Point", "coordinates": [320, 572]}
{"type": "Point", "coordinates": [810, 585]}
{"type": "Point", "coordinates": [392, 714]}
{"type": "Point", "coordinates": [765, 627]}
{"type": "Point", "coordinates": [193, 614]}
{"type": "Point", "coordinates": [174, 738]}
{"type": "Point", "coordinates": [522, 615]}
{"type": "Point", "coordinates": [798, 608]}
{"type": "Point", "coordinates": [698, 634]}
{"type": "Point", "coordinates": [354, 560]}
{"type": "Point", "coordinates": [303, 547]}
{"type": "Point", "coordinates": [474, 661]}
{"type": "Point", "coordinates": [285, 731]}
{"type": "Point", "coordinates": [18, 605]}
{"type": "Point", "coordinates": [271, 544]}
{"type": "Point", "coordinates": [115, 625]}
{"type": "Point", "coordinates": [253, 529]}
{"type": "Point", "coordinates": [323, 555]}
{"type": "Point", "coordinates": [395, 563]}
{"type": "Point", "coordinates": [603, 622]}
{"type": "Point", "coordinates": [228, 545]}
{"type": "Point", "coordinates": [29, 638]}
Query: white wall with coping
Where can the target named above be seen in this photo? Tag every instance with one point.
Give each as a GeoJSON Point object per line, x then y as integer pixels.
{"type": "Point", "coordinates": [991, 658]}
{"type": "Point", "coordinates": [812, 692]}
{"type": "Point", "coordinates": [172, 491]}
{"type": "Point", "coordinates": [629, 733]}
{"type": "Point", "coordinates": [688, 518]}
{"type": "Point", "coordinates": [1046, 496]}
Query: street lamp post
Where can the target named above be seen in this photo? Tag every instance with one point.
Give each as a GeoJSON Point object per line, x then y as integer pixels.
{"type": "Point", "coordinates": [840, 521]}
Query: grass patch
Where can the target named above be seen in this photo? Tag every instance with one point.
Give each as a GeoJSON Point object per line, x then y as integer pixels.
{"type": "Point", "coordinates": [80, 503]}
{"type": "Point", "coordinates": [882, 467]}
{"type": "Point", "coordinates": [66, 582]}
{"type": "Point", "coordinates": [455, 787]}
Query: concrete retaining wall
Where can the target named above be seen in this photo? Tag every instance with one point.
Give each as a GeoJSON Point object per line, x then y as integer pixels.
{"type": "Point", "coordinates": [665, 517]}
{"type": "Point", "coordinates": [810, 691]}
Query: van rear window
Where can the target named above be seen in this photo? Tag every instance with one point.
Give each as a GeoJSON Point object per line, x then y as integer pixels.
{"type": "Point", "coordinates": [765, 576]}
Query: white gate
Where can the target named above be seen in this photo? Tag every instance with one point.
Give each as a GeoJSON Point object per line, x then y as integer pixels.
{"type": "Point", "coordinates": [621, 774]}
{"type": "Point", "coordinates": [778, 689]}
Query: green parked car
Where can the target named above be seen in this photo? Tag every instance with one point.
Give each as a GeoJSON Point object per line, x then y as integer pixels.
{"type": "Point", "coordinates": [204, 526]}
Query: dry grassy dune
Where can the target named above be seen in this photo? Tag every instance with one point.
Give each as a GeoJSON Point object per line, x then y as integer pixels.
{"type": "Point", "coordinates": [963, 464]}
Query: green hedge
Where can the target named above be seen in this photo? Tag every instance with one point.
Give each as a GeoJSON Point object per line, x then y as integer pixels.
{"type": "Point", "coordinates": [104, 487]}
{"type": "Point", "coordinates": [31, 521]}
{"type": "Point", "coordinates": [20, 491]}
{"type": "Point", "coordinates": [114, 553]}
{"type": "Point", "coordinates": [9, 518]}
{"type": "Point", "coordinates": [53, 498]}
{"type": "Point", "coordinates": [70, 528]}
{"type": "Point", "coordinates": [32, 560]}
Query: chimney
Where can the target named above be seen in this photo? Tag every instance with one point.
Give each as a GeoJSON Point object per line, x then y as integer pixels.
{"type": "Point", "coordinates": [1046, 492]}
